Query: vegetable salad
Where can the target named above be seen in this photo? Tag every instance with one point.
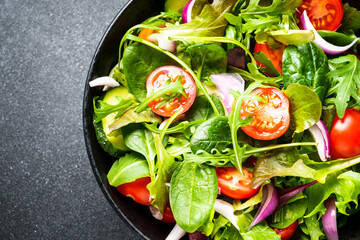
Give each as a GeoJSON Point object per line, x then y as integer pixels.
{"type": "Point", "coordinates": [236, 119]}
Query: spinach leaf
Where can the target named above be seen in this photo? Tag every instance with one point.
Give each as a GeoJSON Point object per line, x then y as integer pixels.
{"type": "Point", "coordinates": [141, 140]}
{"type": "Point", "coordinates": [193, 191]}
{"type": "Point", "coordinates": [305, 107]}
{"type": "Point", "coordinates": [127, 169]}
{"type": "Point", "coordinates": [307, 65]}
{"type": "Point", "coordinates": [346, 75]}
{"type": "Point", "coordinates": [202, 110]}
{"type": "Point", "coordinates": [206, 59]}
{"type": "Point", "coordinates": [139, 61]}
{"type": "Point", "coordinates": [212, 134]}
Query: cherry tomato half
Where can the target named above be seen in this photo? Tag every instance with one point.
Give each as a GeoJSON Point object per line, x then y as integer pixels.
{"type": "Point", "coordinates": [271, 119]}
{"type": "Point", "coordinates": [323, 14]}
{"type": "Point", "coordinates": [288, 232]}
{"type": "Point", "coordinates": [235, 185]}
{"type": "Point", "coordinates": [345, 135]}
{"type": "Point", "coordinates": [275, 56]}
{"type": "Point", "coordinates": [168, 216]}
{"type": "Point", "coordinates": [137, 190]}
{"type": "Point", "coordinates": [159, 76]}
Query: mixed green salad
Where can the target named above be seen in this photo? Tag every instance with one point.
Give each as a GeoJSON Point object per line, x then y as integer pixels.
{"type": "Point", "coordinates": [237, 119]}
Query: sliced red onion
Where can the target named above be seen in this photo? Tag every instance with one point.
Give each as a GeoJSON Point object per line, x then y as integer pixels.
{"type": "Point", "coordinates": [186, 13]}
{"type": "Point", "coordinates": [163, 41]}
{"type": "Point", "coordinates": [329, 220]}
{"type": "Point", "coordinates": [197, 236]}
{"type": "Point", "coordinates": [156, 213]}
{"type": "Point", "coordinates": [268, 205]}
{"type": "Point", "coordinates": [323, 44]}
{"type": "Point", "coordinates": [236, 57]}
{"type": "Point", "coordinates": [321, 135]}
{"type": "Point", "coordinates": [287, 194]}
{"type": "Point", "coordinates": [226, 81]}
{"type": "Point", "coordinates": [176, 233]}
{"type": "Point", "coordinates": [227, 210]}
{"type": "Point", "coordinates": [104, 81]}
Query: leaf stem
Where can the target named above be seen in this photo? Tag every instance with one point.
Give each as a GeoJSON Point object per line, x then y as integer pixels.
{"type": "Point", "coordinates": [169, 121]}
{"type": "Point", "coordinates": [286, 145]}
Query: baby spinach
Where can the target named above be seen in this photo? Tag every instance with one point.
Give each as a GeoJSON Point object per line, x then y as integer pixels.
{"type": "Point", "coordinates": [307, 65]}
{"type": "Point", "coordinates": [141, 140]}
{"type": "Point", "coordinates": [212, 134]}
{"type": "Point", "coordinates": [193, 191]}
{"type": "Point", "coordinates": [305, 107]}
{"type": "Point", "coordinates": [202, 110]}
{"type": "Point", "coordinates": [139, 61]}
{"type": "Point", "coordinates": [127, 169]}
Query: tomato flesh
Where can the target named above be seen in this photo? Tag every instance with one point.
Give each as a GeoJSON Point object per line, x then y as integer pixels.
{"type": "Point", "coordinates": [323, 14]}
{"type": "Point", "coordinates": [274, 55]}
{"type": "Point", "coordinates": [137, 190]}
{"type": "Point", "coordinates": [168, 216]}
{"type": "Point", "coordinates": [288, 232]}
{"type": "Point", "coordinates": [271, 119]}
{"type": "Point", "coordinates": [345, 135]}
{"type": "Point", "coordinates": [235, 185]}
{"type": "Point", "coordinates": [158, 77]}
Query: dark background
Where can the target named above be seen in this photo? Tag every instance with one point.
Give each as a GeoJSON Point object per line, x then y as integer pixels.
{"type": "Point", "coordinates": [48, 190]}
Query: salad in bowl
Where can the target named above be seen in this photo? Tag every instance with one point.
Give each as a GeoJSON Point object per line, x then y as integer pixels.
{"type": "Point", "coordinates": [234, 119]}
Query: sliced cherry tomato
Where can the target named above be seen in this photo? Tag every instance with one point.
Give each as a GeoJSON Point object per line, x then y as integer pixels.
{"type": "Point", "coordinates": [271, 119]}
{"type": "Point", "coordinates": [345, 135]}
{"type": "Point", "coordinates": [168, 216]}
{"type": "Point", "coordinates": [288, 232]}
{"type": "Point", "coordinates": [159, 76]}
{"type": "Point", "coordinates": [235, 185]}
{"type": "Point", "coordinates": [137, 190]}
{"type": "Point", "coordinates": [275, 56]}
{"type": "Point", "coordinates": [323, 14]}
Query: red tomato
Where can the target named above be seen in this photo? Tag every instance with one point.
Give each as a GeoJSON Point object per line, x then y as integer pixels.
{"type": "Point", "coordinates": [288, 232]}
{"type": "Point", "coordinates": [168, 216]}
{"type": "Point", "coordinates": [345, 135]}
{"type": "Point", "coordinates": [323, 14]}
{"type": "Point", "coordinates": [271, 119]}
{"type": "Point", "coordinates": [159, 76]}
{"type": "Point", "coordinates": [137, 190]}
{"type": "Point", "coordinates": [275, 56]}
{"type": "Point", "coordinates": [233, 184]}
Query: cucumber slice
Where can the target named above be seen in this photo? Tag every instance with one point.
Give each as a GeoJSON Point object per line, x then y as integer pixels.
{"type": "Point", "coordinates": [175, 5]}
{"type": "Point", "coordinates": [112, 143]}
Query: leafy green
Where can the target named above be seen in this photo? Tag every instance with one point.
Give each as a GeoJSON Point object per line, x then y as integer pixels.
{"type": "Point", "coordinates": [212, 134]}
{"type": "Point", "coordinates": [269, 67]}
{"type": "Point", "coordinates": [193, 191]}
{"type": "Point", "coordinates": [275, 8]}
{"type": "Point", "coordinates": [179, 147]}
{"type": "Point", "coordinates": [313, 227]}
{"type": "Point", "coordinates": [139, 61]}
{"type": "Point", "coordinates": [307, 65]}
{"type": "Point", "coordinates": [351, 19]}
{"type": "Point", "coordinates": [127, 169]}
{"type": "Point", "coordinates": [287, 37]}
{"type": "Point", "coordinates": [224, 230]}
{"type": "Point", "coordinates": [141, 140]}
{"type": "Point", "coordinates": [102, 109]}
{"type": "Point", "coordinates": [289, 213]}
{"type": "Point", "coordinates": [305, 106]}
{"type": "Point", "coordinates": [346, 75]}
{"type": "Point", "coordinates": [168, 92]}
{"type": "Point", "coordinates": [206, 59]}
{"type": "Point", "coordinates": [202, 110]}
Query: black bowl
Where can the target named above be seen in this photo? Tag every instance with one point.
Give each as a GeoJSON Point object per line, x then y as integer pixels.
{"type": "Point", "coordinates": [106, 56]}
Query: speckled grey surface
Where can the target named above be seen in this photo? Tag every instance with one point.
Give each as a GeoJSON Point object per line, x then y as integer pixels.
{"type": "Point", "coordinates": [47, 187]}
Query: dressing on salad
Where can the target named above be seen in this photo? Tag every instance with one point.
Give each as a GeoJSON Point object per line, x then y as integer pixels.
{"type": "Point", "coordinates": [228, 118]}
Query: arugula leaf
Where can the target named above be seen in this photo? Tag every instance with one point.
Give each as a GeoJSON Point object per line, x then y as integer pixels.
{"type": "Point", "coordinates": [269, 67]}
{"type": "Point", "coordinates": [346, 74]}
{"type": "Point", "coordinates": [102, 109]}
{"type": "Point", "coordinates": [305, 107]}
{"type": "Point", "coordinates": [307, 65]}
{"type": "Point", "coordinates": [127, 169]}
{"type": "Point", "coordinates": [276, 7]}
{"type": "Point", "coordinates": [193, 191]}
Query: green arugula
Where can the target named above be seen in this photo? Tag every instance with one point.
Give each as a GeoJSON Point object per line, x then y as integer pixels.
{"type": "Point", "coordinates": [102, 109]}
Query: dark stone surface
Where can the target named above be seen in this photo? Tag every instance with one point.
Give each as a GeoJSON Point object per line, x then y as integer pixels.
{"type": "Point", "coordinates": [47, 187]}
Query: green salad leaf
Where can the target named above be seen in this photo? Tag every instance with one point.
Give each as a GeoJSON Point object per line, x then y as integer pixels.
{"type": "Point", "coordinates": [102, 109]}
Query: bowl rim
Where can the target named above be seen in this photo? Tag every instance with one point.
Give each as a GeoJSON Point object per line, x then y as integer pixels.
{"type": "Point", "coordinates": [86, 125]}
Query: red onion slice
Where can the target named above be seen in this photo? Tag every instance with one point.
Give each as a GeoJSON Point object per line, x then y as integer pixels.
{"type": "Point", "coordinates": [321, 135]}
{"type": "Point", "coordinates": [176, 233]}
{"type": "Point", "coordinates": [104, 81]}
{"type": "Point", "coordinates": [237, 58]}
{"type": "Point", "coordinates": [226, 81]}
{"type": "Point", "coordinates": [186, 13]}
{"type": "Point", "coordinates": [329, 220]}
{"type": "Point", "coordinates": [197, 236]}
{"type": "Point", "coordinates": [287, 194]}
{"type": "Point", "coordinates": [227, 210]}
{"type": "Point", "coordinates": [268, 205]}
{"type": "Point", "coordinates": [323, 44]}
{"type": "Point", "coordinates": [163, 41]}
